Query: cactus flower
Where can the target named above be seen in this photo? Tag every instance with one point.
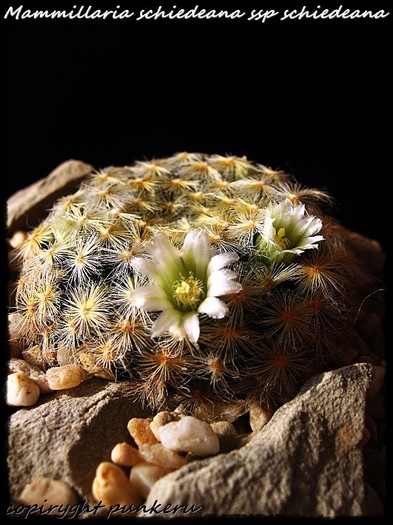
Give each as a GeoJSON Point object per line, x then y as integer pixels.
{"type": "Point", "coordinates": [184, 284]}
{"type": "Point", "coordinates": [286, 231]}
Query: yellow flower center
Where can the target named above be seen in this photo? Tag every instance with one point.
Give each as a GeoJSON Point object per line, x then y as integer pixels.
{"type": "Point", "coordinates": [188, 292]}
{"type": "Point", "coordinates": [281, 239]}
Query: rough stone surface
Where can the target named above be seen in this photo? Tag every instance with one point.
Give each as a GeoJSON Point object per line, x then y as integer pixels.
{"type": "Point", "coordinates": [27, 207]}
{"type": "Point", "coordinates": [69, 433]}
{"type": "Point", "coordinates": [307, 461]}
{"type": "Point", "coordinates": [369, 251]}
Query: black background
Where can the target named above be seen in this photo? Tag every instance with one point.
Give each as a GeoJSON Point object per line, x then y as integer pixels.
{"type": "Point", "coordinates": [308, 97]}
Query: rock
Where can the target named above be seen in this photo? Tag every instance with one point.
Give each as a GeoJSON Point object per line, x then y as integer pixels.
{"type": "Point", "coordinates": [306, 461]}
{"type": "Point", "coordinates": [15, 349]}
{"type": "Point", "coordinates": [162, 418]}
{"type": "Point", "coordinates": [369, 251]}
{"type": "Point", "coordinates": [159, 455]}
{"type": "Point", "coordinates": [190, 434]}
{"type": "Point", "coordinates": [112, 487]}
{"type": "Point", "coordinates": [227, 435]}
{"type": "Point", "coordinates": [22, 391]}
{"type": "Point", "coordinates": [46, 492]}
{"type": "Point", "coordinates": [125, 455]}
{"type": "Point", "coordinates": [63, 377]}
{"type": "Point", "coordinates": [140, 431]}
{"type": "Point", "coordinates": [34, 372]}
{"type": "Point", "coordinates": [18, 239]}
{"type": "Point", "coordinates": [259, 416]}
{"type": "Point", "coordinates": [27, 207]}
{"type": "Point", "coordinates": [68, 433]}
{"type": "Point", "coordinates": [144, 475]}
{"type": "Point", "coordinates": [15, 325]}
{"type": "Point", "coordinates": [88, 363]}
{"type": "Point", "coordinates": [34, 356]}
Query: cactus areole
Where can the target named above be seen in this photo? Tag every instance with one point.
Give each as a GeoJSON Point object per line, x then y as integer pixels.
{"type": "Point", "coordinates": [197, 277]}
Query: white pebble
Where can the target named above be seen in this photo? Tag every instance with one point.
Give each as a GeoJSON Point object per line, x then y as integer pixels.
{"type": "Point", "coordinates": [190, 435]}
{"type": "Point", "coordinates": [22, 391]}
{"type": "Point", "coordinates": [34, 372]}
{"type": "Point", "coordinates": [144, 475]}
{"type": "Point", "coordinates": [63, 377]}
{"type": "Point", "coordinates": [160, 419]}
{"type": "Point", "coordinates": [18, 239]}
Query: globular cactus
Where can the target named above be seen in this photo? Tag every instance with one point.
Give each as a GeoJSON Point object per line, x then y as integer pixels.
{"type": "Point", "coordinates": [198, 277]}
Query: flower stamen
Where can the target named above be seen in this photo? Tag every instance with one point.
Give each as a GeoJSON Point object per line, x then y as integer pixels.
{"type": "Point", "coordinates": [189, 292]}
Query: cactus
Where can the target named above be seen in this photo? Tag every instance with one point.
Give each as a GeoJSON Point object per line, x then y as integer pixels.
{"type": "Point", "coordinates": [198, 277]}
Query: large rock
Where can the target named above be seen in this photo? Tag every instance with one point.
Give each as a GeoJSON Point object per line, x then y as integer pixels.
{"type": "Point", "coordinates": [27, 207]}
{"type": "Point", "coordinates": [69, 433]}
{"type": "Point", "coordinates": [307, 461]}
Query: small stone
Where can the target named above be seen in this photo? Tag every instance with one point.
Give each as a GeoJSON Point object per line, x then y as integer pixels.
{"type": "Point", "coordinates": [50, 357]}
{"type": "Point", "coordinates": [220, 411]}
{"type": "Point", "coordinates": [144, 475]}
{"type": "Point", "coordinates": [15, 349]}
{"type": "Point", "coordinates": [376, 382]}
{"type": "Point", "coordinates": [159, 455]}
{"type": "Point", "coordinates": [162, 418]}
{"type": "Point", "coordinates": [34, 372]}
{"type": "Point", "coordinates": [227, 435]}
{"type": "Point", "coordinates": [259, 416]}
{"type": "Point", "coordinates": [34, 356]}
{"type": "Point", "coordinates": [112, 487]}
{"type": "Point", "coordinates": [63, 377]}
{"type": "Point", "coordinates": [17, 239]}
{"type": "Point", "coordinates": [15, 325]}
{"type": "Point", "coordinates": [88, 363]}
{"type": "Point", "coordinates": [45, 492]}
{"type": "Point", "coordinates": [22, 391]}
{"type": "Point", "coordinates": [125, 455]}
{"type": "Point", "coordinates": [64, 355]}
{"type": "Point", "coordinates": [190, 434]}
{"type": "Point", "coordinates": [140, 431]}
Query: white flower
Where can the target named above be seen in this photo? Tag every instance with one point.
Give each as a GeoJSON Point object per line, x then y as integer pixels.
{"type": "Point", "coordinates": [286, 231]}
{"type": "Point", "coordinates": [184, 284]}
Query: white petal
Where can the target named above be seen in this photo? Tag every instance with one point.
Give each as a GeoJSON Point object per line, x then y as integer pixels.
{"type": "Point", "coordinates": [191, 326]}
{"type": "Point", "coordinates": [221, 274]}
{"type": "Point", "coordinates": [162, 249]}
{"type": "Point", "coordinates": [165, 321]}
{"type": "Point", "coordinates": [213, 307]}
{"type": "Point", "coordinates": [196, 252]}
{"type": "Point", "coordinates": [221, 260]}
{"type": "Point", "coordinates": [220, 285]}
{"type": "Point", "coordinates": [145, 267]}
{"type": "Point", "coordinates": [151, 298]}
{"type": "Point", "coordinates": [166, 266]}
